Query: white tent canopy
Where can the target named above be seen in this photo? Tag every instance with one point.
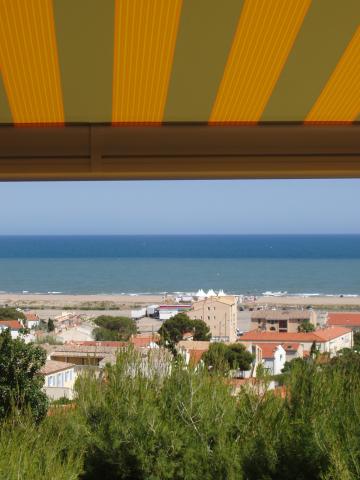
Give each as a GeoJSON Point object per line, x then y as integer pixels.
{"type": "Point", "coordinates": [200, 293]}
{"type": "Point", "coordinates": [211, 293]}
{"type": "Point", "coordinates": [221, 293]}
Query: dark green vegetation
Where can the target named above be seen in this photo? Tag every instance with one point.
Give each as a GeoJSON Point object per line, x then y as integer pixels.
{"type": "Point", "coordinates": [222, 358]}
{"type": "Point", "coordinates": [20, 382]}
{"type": "Point", "coordinates": [10, 313]}
{"type": "Point", "coordinates": [187, 425]}
{"type": "Point", "coordinates": [306, 326]}
{"type": "Point", "coordinates": [172, 330]}
{"type": "Point", "coordinates": [50, 325]}
{"type": "Point", "coordinates": [114, 328]}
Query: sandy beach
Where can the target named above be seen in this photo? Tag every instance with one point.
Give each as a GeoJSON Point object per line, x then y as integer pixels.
{"type": "Point", "coordinates": [128, 302]}
{"type": "Point", "coordinates": [334, 301]}
{"type": "Point", "coordinates": [85, 302]}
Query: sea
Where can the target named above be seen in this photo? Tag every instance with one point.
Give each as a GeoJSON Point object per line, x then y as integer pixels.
{"type": "Point", "coordinates": [153, 264]}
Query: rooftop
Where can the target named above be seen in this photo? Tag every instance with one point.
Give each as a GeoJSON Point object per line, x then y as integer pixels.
{"type": "Point", "coordinates": [53, 366]}
{"type": "Point", "coordinates": [320, 335]}
{"type": "Point", "coordinates": [345, 319]}
{"type": "Point", "coordinates": [12, 324]}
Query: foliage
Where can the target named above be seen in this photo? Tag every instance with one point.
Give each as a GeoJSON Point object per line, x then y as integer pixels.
{"type": "Point", "coordinates": [173, 329]}
{"type": "Point", "coordinates": [50, 325]}
{"type": "Point", "coordinates": [201, 330]}
{"type": "Point", "coordinates": [222, 358]}
{"type": "Point", "coordinates": [49, 450]}
{"type": "Point", "coordinates": [20, 381]}
{"type": "Point", "coordinates": [356, 340]}
{"type": "Point", "coordinates": [114, 328]}
{"type": "Point", "coordinates": [306, 327]}
{"type": "Point", "coordinates": [138, 424]}
{"type": "Point", "coordinates": [10, 313]}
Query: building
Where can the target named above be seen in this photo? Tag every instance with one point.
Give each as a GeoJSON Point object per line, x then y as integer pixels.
{"type": "Point", "coordinates": [59, 379]}
{"type": "Point", "coordinates": [85, 355]}
{"type": "Point", "coordinates": [327, 340]}
{"type": "Point", "coordinates": [282, 320]}
{"type": "Point", "coordinates": [32, 320]}
{"type": "Point", "coordinates": [273, 357]}
{"type": "Point", "coordinates": [344, 319]}
{"type": "Point", "coordinates": [220, 314]}
{"type": "Point", "coordinates": [293, 350]}
{"type": "Point", "coordinates": [192, 351]}
{"type": "Point", "coordinates": [13, 325]}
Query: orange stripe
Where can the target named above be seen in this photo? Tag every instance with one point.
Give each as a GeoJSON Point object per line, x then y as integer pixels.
{"type": "Point", "coordinates": [145, 38]}
{"type": "Point", "coordinates": [339, 102]}
{"type": "Point", "coordinates": [29, 61]}
{"type": "Point", "coordinates": [264, 38]}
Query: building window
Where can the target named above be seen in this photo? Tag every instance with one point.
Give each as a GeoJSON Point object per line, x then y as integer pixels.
{"type": "Point", "coordinates": [214, 308]}
{"type": "Point", "coordinates": [209, 308]}
{"type": "Point", "coordinates": [208, 317]}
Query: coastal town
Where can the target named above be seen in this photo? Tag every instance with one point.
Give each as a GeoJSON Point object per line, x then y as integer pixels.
{"type": "Point", "coordinates": [274, 335]}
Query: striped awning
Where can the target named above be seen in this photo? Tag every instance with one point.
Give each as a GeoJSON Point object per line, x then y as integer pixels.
{"type": "Point", "coordinates": [159, 61]}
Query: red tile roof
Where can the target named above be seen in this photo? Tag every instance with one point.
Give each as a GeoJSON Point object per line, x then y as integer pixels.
{"type": "Point", "coordinates": [32, 317]}
{"type": "Point", "coordinates": [12, 324]}
{"type": "Point", "coordinates": [344, 319]}
{"type": "Point", "coordinates": [268, 349]}
{"type": "Point", "coordinates": [320, 335]}
{"type": "Point", "coordinates": [140, 341]}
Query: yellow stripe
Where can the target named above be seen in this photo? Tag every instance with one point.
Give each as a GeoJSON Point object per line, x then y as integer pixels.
{"type": "Point", "coordinates": [29, 61]}
{"type": "Point", "coordinates": [145, 37]}
{"type": "Point", "coordinates": [339, 102]}
{"type": "Point", "coordinates": [264, 38]}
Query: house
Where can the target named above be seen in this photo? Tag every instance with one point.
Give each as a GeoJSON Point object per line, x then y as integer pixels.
{"type": "Point", "coordinates": [285, 320]}
{"type": "Point", "coordinates": [293, 350]}
{"type": "Point", "coordinates": [59, 379]}
{"type": "Point", "coordinates": [13, 325]}
{"type": "Point", "coordinates": [192, 351]}
{"type": "Point", "coordinates": [32, 320]}
{"type": "Point", "coordinates": [273, 357]}
{"type": "Point", "coordinates": [87, 354]}
{"type": "Point", "coordinates": [220, 314]}
{"type": "Point", "coordinates": [327, 340]}
{"type": "Point", "coordinates": [344, 319]}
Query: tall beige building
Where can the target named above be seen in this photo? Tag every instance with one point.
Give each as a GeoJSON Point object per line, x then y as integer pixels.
{"type": "Point", "coordinates": [219, 313]}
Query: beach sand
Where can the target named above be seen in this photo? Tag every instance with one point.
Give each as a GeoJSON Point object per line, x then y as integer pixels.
{"type": "Point", "coordinates": [335, 301]}
{"type": "Point", "coordinates": [89, 302]}
{"type": "Point", "coordinates": [128, 302]}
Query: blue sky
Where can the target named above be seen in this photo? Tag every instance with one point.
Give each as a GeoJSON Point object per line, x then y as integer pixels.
{"type": "Point", "coordinates": [180, 207]}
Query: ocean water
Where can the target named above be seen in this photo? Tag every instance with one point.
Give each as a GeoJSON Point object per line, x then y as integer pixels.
{"type": "Point", "coordinates": [248, 264]}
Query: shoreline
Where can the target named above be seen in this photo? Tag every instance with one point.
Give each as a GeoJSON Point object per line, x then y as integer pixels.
{"type": "Point", "coordinates": [129, 301]}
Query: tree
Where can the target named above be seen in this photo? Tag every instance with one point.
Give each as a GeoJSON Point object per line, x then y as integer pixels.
{"type": "Point", "coordinates": [222, 358]}
{"type": "Point", "coordinates": [306, 327]}
{"type": "Point", "coordinates": [201, 330]}
{"type": "Point", "coordinates": [114, 328]}
{"type": "Point", "coordinates": [173, 329]}
{"type": "Point", "coordinates": [50, 325]}
{"type": "Point", "coordinates": [356, 341]}
{"type": "Point", "coordinates": [20, 381]}
{"type": "Point", "coordinates": [10, 313]}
